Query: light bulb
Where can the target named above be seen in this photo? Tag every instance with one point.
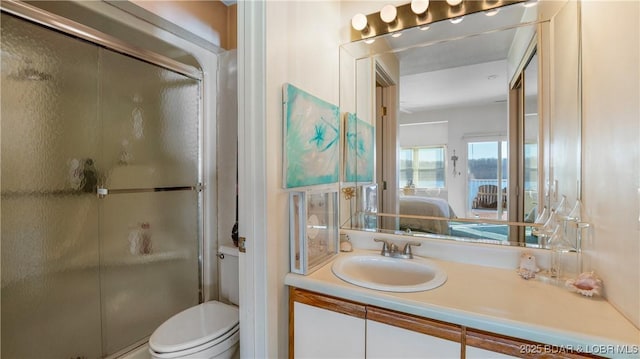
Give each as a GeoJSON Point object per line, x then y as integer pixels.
{"type": "Point", "coordinates": [359, 22]}
{"type": "Point", "coordinates": [492, 12]}
{"type": "Point", "coordinates": [419, 6]}
{"type": "Point", "coordinates": [457, 20]}
{"type": "Point", "coordinates": [454, 2]}
{"type": "Point", "coordinates": [388, 13]}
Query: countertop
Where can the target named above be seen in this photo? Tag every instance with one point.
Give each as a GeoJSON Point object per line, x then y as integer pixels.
{"type": "Point", "coordinates": [498, 300]}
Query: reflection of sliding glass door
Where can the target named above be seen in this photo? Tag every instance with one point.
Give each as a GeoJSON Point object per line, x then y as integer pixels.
{"type": "Point", "coordinates": [487, 179]}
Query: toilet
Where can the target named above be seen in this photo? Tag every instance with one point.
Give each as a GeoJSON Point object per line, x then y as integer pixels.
{"type": "Point", "coordinates": [208, 330]}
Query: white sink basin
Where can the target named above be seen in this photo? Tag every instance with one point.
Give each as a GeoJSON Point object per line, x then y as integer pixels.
{"type": "Point", "coordinates": [374, 271]}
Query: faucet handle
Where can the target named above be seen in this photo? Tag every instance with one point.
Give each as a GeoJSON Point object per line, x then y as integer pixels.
{"type": "Point", "coordinates": [407, 248]}
{"type": "Point", "coordinates": [385, 246]}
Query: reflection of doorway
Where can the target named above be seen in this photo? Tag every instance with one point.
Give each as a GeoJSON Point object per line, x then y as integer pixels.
{"type": "Point", "coordinates": [487, 179]}
{"type": "Point", "coordinates": [386, 110]}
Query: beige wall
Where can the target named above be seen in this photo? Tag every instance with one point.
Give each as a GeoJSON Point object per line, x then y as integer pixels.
{"type": "Point", "coordinates": [611, 172]}
{"type": "Point", "coordinates": [211, 20]}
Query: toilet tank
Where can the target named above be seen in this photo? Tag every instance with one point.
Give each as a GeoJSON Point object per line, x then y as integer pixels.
{"type": "Point", "coordinates": [229, 279]}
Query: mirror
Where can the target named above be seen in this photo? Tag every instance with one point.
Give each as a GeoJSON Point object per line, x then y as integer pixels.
{"type": "Point", "coordinates": [477, 124]}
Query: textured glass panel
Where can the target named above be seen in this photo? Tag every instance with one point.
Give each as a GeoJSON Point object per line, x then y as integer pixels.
{"type": "Point", "coordinates": [149, 257]}
{"type": "Point", "coordinates": [149, 241]}
{"type": "Point", "coordinates": [150, 118]}
{"type": "Point", "coordinates": [50, 282]}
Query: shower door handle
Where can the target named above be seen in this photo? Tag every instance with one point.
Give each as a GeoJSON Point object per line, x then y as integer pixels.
{"type": "Point", "coordinates": [103, 192]}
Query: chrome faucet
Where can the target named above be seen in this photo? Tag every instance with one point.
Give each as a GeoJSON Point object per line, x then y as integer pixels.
{"type": "Point", "coordinates": [391, 249]}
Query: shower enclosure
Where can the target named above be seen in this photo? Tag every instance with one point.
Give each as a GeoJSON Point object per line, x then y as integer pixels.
{"type": "Point", "coordinates": [101, 203]}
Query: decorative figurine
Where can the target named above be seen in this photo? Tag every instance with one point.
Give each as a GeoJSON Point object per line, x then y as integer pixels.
{"type": "Point", "coordinates": [586, 284]}
{"type": "Point", "coordinates": [528, 267]}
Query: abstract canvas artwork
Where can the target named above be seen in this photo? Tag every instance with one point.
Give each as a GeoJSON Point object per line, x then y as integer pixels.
{"type": "Point", "coordinates": [311, 139]}
{"type": "Point", "coordinates": [359, 149]}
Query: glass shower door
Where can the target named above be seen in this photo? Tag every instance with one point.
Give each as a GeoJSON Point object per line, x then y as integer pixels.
{"type": "Point", "coordinates": [50, 231]}
{"type": "Point", "coordinates": [150, 216]}
{"type": "Point", "coordinates": [82, 275]}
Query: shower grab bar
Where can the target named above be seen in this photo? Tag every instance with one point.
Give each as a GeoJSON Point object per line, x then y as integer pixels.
{"type": "Point", "coordinates": [103, 192]}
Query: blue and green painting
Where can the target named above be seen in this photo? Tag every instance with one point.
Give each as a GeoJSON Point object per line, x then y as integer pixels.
{"type": "Point", "coordinates": [358, 150]}
{"type": "Point", "coordinates": [311, 139]}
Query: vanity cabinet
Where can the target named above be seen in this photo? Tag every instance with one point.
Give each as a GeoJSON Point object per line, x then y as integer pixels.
{"type": "Point", "coordinates": [322, 326]}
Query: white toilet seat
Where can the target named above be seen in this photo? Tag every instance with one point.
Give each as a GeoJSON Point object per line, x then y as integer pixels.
{"type": "Point", "coordinates": [196, 329]}
{"type": "Point", "coordinates": [212, 349]}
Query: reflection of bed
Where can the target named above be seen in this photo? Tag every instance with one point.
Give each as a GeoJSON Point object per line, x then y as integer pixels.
{"type": "Point", "coordinates": [425, 206]}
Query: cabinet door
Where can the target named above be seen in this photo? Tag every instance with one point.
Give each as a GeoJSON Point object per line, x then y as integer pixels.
{"type": "Point", "coordinates": [321, 333]}
{"type": "Point", "coordinates": [397, 335]}
{"type": "Point", "coordinates": [321, 326]}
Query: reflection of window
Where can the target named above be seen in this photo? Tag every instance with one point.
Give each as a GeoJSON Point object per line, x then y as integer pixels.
{"type": "Point", "coordinates": [422, 167]}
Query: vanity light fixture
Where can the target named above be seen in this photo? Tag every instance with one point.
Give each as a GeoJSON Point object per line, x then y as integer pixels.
{"type": "Point", "coordinates": [457, 20]}
{"type": "Point", "coordinates": [388, 14]}
{"type": "Point", "coordinates": [421, 14]}
{"type": "Point", "coordinates": [419, 7]}
{"type": "Point", "coordinates": [359, 22]}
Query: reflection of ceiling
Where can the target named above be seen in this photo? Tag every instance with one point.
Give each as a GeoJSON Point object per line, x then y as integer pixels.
{"type": "Point", "coordinates": [461, 68]}
{"type": "Point", "coordinates": [453, 87]}
{"type": "Point", "coordinates": [462, 52]}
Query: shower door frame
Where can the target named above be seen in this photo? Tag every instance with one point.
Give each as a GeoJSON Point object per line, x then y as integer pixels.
{"type": "Point", "coordinates": [69, 27]}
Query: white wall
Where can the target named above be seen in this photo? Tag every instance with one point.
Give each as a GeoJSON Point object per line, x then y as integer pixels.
{"type": "Point", "coordinates": [611, 172]}
{"type": "Point", "coordinates": [302, 48]}
{"type": "Point", "coordinates": [302, 42]}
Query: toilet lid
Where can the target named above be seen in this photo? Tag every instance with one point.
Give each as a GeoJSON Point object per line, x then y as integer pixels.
{"type": "Point", "coordinates": [194, 326]}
